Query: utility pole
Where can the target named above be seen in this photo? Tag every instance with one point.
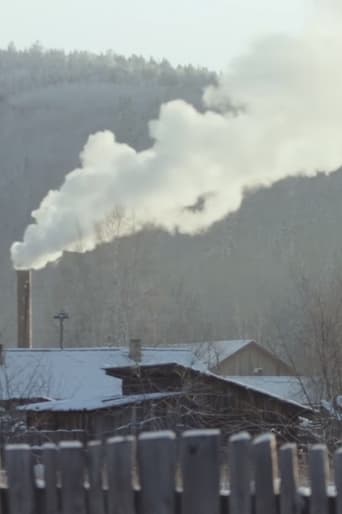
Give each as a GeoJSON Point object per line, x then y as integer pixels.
{"type": "Point", "coordinates": [61, 317]}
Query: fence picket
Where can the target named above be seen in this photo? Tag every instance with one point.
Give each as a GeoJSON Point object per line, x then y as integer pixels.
{"type": "Point", "coordinates": [318, 468]}
{"type": "Point", "coordinates": [265, 466]}
{"type": "Point", "coordinates": [119, 464]}
{"type": "Point", "coordinates": [201, 472]}
{"type": "Point", "coordinates": [49, 459]}
{"type": "Point", "coordinates": [289, 495]}
{"type": "Point", "coordinates": [95, 473]}
{"type": "Point", "coordinates": [240, 501]}
{"type": "Point", "coordinates": [72, 477]}
{"type": "Point", "coordinates": [20, 477]}
{"type": "Point", "coordinates": [338, 480]}
{"type": "Point", "coordinates": [157, 465]}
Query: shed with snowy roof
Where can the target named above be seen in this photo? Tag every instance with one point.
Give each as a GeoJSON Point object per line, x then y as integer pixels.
{"type": "Point", "coordinates": [104, 416]}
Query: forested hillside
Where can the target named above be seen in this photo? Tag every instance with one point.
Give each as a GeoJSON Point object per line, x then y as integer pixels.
{"type": "Point", "coordinates": [49, 103]}
{"type": "Point", "coordinates": [241, 278]}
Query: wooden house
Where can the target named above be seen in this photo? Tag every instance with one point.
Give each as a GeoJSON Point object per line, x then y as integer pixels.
{"type": "Point", "coordinates": [32, 373]}
{"type": "Point", "coordinates": [240, 357]}
{"type": "Point", "coordinates": [173, 396]}
{"type": "Point", "coordinates": [215, 401]}
{"type": "Point", "coordinates": [119, 390]}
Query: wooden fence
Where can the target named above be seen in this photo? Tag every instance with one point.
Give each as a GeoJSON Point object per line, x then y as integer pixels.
{"type": "Point", "coordinates": [156, 474]}
{"type": "Point", "coordinates": [39, 437]}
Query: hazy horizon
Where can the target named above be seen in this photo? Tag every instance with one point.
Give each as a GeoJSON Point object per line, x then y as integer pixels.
{"type": "Point", "coordinates": [198, 33]}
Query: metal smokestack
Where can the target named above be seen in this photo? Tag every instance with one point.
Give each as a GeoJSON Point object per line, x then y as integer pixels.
{"type": "Point", "coordinates": [24, 309]}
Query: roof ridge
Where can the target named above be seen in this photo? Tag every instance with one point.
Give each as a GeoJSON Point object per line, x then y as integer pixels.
{"type": "Point", "coordinates": [97, 348]}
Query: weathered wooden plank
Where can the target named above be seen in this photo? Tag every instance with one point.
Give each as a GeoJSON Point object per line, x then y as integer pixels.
{"type": "Point", "coordinates": [265, 468]}
{"type": "Point", "coordinates": [157, 465]}
{"type": "Point", "coordinates": [338, 480]}
{"type": "Point", "coordinates": [20, 479]}
{"type": "Point", "coordinates": [318, 471]}
{"type": "Point", "coordinates": [289, 496]}
{"type": "Point", "coordinates": [72, 467]}
{"type": "Point", "coordinates": [119, 465]}
{"type": "Point", "coordinates": [95, 474]}
{"type": "Point", "coordinates": [200, 472]}
{"type": "Point", "coordinates": [49, 460]}
{"type": "Point", "coordinates": [240, 501]}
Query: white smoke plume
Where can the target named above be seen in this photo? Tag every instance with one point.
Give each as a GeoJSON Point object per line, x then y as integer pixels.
{"type": "Point", "coordinates": [289, 90]}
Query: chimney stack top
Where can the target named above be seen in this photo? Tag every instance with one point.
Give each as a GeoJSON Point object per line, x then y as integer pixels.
{"type": "Point", "coordinates": [24, 309]}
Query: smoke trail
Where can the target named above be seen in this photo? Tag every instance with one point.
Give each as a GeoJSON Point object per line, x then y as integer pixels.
{"type": "Point", "coordinates": [199, 165]}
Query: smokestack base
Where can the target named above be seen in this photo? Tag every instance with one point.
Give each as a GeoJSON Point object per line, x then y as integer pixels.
{"type": "Point", "coordinates": [24, 309]}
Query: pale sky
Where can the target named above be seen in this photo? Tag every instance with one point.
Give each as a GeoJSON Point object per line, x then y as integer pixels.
{"type": "Point", "coordinates": [202, 32]}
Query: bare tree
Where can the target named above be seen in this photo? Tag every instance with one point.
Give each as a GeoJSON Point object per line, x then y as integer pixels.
{"type": "Point", "coordinates": [313, 347]}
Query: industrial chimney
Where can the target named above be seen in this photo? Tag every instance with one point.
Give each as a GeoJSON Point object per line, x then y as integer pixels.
{"type": "Point", "coordinates": [135, 350]}
{"type": "Point", "coordinates": [24, 309]}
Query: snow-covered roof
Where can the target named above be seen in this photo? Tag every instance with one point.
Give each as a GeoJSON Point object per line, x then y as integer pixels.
{"type": "Point", "coordinates": [214, 352]}
{"type": "Point", "coordinates": [94, 403]}
{"type": "Point", "coordinates": [297, 389]}
{"type": "Point", "coordinates": [204, 372]}
{"type": "Point", "coordinates": [73, 372]}
{"type": "Point", "coordinates": [78, 372]}
{"type": "Point", "coordinates": [252, 387]}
